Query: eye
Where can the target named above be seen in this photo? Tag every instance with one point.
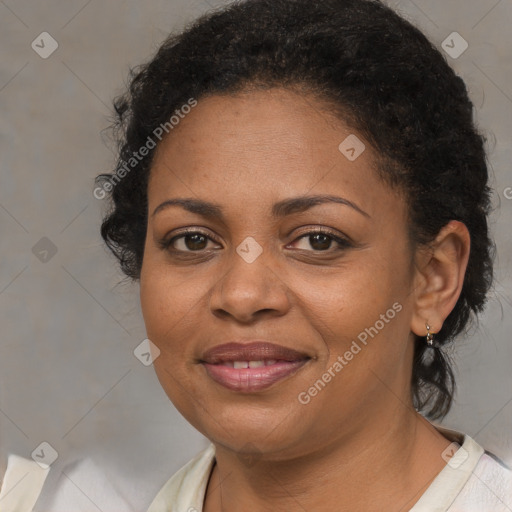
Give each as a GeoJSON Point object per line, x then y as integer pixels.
{"type": "Point", "coordinates": [321, 240]}
{"type": "Point", "coordinates": [188, 241]}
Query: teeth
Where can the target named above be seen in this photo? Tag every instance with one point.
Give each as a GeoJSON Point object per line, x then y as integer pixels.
{"type": "Point", "coordinates": [251, 364]}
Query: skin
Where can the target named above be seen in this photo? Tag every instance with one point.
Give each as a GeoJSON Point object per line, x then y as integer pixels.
{"type": "Point", "coordinates": [358, 444]}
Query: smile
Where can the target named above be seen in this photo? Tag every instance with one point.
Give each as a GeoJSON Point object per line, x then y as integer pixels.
{"type": "Point", "coordinates": [250, 367]}
{"type": "Point", "coordinates": [250, 376]}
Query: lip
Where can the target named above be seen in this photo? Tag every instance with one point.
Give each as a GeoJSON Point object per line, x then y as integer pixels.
{"type": "Point", "coordinates": [284, 362]}
{"type": "Point", "coordinates": [253, 351]}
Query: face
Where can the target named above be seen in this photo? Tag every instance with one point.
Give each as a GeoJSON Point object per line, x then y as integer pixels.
{"type": "Point", "coordinates": [248, 259]}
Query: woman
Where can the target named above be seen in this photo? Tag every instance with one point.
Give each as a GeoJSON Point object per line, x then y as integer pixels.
{"type": "Point", "coordinates": [302, 194]}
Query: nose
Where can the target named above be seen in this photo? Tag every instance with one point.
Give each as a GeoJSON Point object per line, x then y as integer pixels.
{"type": "Point", "coordinates": [249, 290]}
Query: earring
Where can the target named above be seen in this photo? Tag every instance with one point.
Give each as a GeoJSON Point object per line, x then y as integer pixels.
{"type": "Point", "coordinates": [430, 337]}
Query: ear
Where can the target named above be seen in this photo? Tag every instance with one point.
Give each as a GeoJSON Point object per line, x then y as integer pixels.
{"type": "Point", "coordinates": [439, 276]}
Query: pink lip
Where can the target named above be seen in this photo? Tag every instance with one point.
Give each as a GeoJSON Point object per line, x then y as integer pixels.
{"type": "Point", "coordinates": [218, 362]}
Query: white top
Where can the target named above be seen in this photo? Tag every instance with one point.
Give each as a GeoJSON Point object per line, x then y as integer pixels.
{"type": "Point", "coordinates": [473, 480]}
{"type": "Point", "coordinates": [22, 484]}
{"type": "Point", "coordinates": [78, 485]}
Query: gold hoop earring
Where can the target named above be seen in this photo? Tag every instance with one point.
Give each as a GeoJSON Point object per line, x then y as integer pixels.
{"type": "Point", "coordinates": [430, 336]}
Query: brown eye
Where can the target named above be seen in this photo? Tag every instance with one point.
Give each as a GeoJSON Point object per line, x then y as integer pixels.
{"type": "Point", "coordinates": [321, 241]}
{"type": "Point", "coordinates": [195, 242]}
{"type": "Point", "coordinates": [190, 241]}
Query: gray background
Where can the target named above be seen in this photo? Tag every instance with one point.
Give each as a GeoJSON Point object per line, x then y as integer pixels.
{"type": "Point", "coordinates": [68, 375]}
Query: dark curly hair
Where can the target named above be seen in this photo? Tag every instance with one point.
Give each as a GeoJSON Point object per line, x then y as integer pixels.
{"type": "Point", "coordinates": [380, 74]}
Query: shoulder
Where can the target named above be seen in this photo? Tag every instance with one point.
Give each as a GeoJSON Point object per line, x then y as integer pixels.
{"type": "Point", "coordinates": [473, 480]}
{"type": "Point", "coordinates": [185, 490]}
{"type": "Point", "coordinates": [22, 483]}
{"type": "Point", "coordinates": [488, 488]}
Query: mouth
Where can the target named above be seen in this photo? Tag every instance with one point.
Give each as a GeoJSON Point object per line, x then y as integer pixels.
{"type": "Point", "coordinates": [251, 367]}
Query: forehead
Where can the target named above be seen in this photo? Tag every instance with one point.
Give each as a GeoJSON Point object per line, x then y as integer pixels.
{"type": "Point", "coordinates": [258, 120]}
{"type": "Point", "coordinates": [264, 145]}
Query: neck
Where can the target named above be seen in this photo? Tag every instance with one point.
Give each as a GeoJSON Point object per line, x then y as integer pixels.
{"type": "Point", "coordinates": [373, 468]}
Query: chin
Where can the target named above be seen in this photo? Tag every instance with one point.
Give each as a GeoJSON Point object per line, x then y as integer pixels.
{"type": "Point", "coordinates": [244, 430]}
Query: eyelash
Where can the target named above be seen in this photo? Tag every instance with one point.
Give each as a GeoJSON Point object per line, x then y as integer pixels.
{"type": "Point", "coordinates": [343, 243]}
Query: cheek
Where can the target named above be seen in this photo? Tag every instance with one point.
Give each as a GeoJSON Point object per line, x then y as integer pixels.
{"type": "Point", "coordinates": [364, 302]}
{"type": "Point", "coordinates": [169, 302]}
{"type": "Point", "coordinates": [349, 298]}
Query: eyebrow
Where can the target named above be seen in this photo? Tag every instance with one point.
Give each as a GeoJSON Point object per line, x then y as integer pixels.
{"type": "Point", "coordinates": [280, 209]}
